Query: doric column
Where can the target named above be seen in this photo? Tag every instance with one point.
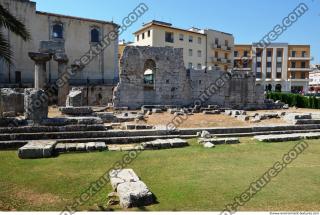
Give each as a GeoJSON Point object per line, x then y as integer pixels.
{"type": "Point", "coordinates": [63, 78]}
{"type": "Point", "coordinates": [40, 71]}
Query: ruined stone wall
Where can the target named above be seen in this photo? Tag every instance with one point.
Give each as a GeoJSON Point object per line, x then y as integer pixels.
{"type": "Point", "coordinates": [170, 81]}
{"type": "Point", "coordinates": [11, 100]}
{"type": "Point", "coordinates": [174, 85]}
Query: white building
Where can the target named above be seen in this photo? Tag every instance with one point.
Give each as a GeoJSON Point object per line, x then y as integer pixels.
{"type": "Point", "coordinates": [314, 84]}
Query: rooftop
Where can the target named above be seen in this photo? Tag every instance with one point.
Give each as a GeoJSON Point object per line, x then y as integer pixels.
{"type": "Point", "coordinates": [77, 18]}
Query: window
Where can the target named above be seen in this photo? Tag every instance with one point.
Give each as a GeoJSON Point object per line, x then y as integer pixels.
{"type": "Point", "coordinates": [279, 64]}
{"type": "Point", "coordinates": [303, 75]}
{"type": "Point", "coordinates": [258, 75]}
{"type": "Point", "coordinates": [18, 77]}
{"type": "Point", "coordinates": [304, 54]}
{"type": "Point", "coordinates": [293, 75]}
{"type": "Point", "coordinates": [293, 53]}
{"type": "Point", "coordinates": [269, 53]}
{"type": "Point", "coordinates": [199, 66]}
{"type": "Point", "coordinates": [245, 64]}
{"type": "Point", "coordinates": [199, 40]}
{"type": "Point", "coordinates": [303, 64]}
{"type": "Point", "coordinates": [226, 55]}
{"type": "Point", "coordinates": [181, 37]}
{"type": "Point", "coordinates": [236, 53]}
{"type": "Point", "coordinates": [258, 53]}
{"type": "Point", "coordinates": [226, 43]}
{"type": "Point", "coordinates": [149, 73]}
{"type": "Point", "coordinates": [138, 38]}
{"type": "Point", "coordinates": [199, 53]}
{"type": "Point", "coordinates": [95, 35]}
{"type": "Point", "coordinates": [191, 39]}
{"type": "Point", "coordinates": [268, 74]}
{"type": "Point", "coordinates": [279, 53]}
{"type": "Point", "coordinates": [279, 75]}
{"type": "Point", "coordinates": [245, 53]}
{"type": "Point", "coordinates": [258, 64]}
{"type": "Point", "coordinates": [57, 31]}
{"type": "Point", "coordinates": [216, 54]}
{"type": "Point", "coordinates": [169, 37]}
{"type": "Point", "coordinates": [216, 41]}
{"type": "Point", "coordinates": [143, 36]}
{"type": "Point", "coordinates": [293, 64]}
{"type": "Point", "coordinates": [149, 33]}
{"type": "Point", "coordinates": [269, 64]}
{"type": "Point", "coordinates": [190, 65]}
{"type": "Point", "coordinates": [190, 52]}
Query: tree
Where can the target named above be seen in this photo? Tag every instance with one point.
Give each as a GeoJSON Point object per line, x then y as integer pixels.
{"type": "Point", "coordinates": [11, 23]}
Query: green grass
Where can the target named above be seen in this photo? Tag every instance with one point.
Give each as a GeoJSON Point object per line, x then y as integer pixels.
{"type": "Point", "coordinates": [188, 179]}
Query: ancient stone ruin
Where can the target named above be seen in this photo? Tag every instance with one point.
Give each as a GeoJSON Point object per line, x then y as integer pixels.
{"type": "Point", "coordinates": [157, 76]}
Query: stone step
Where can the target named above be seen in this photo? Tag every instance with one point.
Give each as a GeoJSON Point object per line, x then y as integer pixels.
{"type": "Point", "coordinates": [41, 129]}
{"type": "Point", "coordinates": [247, 131]}
{"type": "Point", "coordinates": [307, 121]}
{"type": "Point", "coordinates": [80, 147]}
{"type": "Point", "coordinates": [15, 144]}
{"type": "Point", "coordinates": [287, 137]}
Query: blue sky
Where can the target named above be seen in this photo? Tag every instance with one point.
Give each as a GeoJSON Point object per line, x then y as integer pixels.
{"type": "Point", "coordinates": [247, 20]}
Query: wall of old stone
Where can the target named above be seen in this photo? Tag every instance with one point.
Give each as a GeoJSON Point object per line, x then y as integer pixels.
{"type": "Point", "coordinates": [11, 100]}
{"type": "Point", "coordinates": [170, 86]}
{"type": "Point", "coordinates": [174, 85]}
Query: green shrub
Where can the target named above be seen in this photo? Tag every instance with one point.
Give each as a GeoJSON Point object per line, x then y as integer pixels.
{"type": "Point", "coordinates": [296, 100]}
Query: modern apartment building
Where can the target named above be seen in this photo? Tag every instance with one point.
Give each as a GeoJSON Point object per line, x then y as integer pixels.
{"type": "Point", "coordinates": [202, 48]}
{"type": "Point", "coordinates": [279, 66]}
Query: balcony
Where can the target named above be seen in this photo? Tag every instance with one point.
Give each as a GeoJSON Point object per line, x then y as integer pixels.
{"type": "Point", "coordinates": [300, 58]}
{"type": "Point", "coordinates": [215, 46]}
{"type": "Point", "coordinates": [243, 58]}
{"type": "Point", "coordinates": [299, 80]}
{"type": "Point", "coordinates": [299, 69]}
{"type": "Point", "coordinates": [242, 69]}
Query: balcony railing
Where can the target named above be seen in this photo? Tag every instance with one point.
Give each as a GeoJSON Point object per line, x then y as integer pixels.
{"type": "Point", "coordinates": [299, 69]}
{"type": "Point", "coordinates": [300, 58]}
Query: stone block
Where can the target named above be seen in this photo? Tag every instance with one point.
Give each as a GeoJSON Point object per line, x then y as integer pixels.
{"type": "Point", "coordinates": [11, 101]}
{"type": "Point", "coordinates": [76, 111]}
{"type": "Point", "coordinates": [134, 194]}
{"type": "Point", "coordinates": [36, 105]}
{"type": "Point", "coordinates": [75, 98]}
{"type": "Point", "coordinates": [120, 176]}
{"type": "Point", "coordinates": [37, 149]}
{"type": "Point", "coordinates": [208, 145]}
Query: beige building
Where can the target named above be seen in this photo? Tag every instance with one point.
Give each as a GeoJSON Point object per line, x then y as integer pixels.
{"type": "Point", "coordinates": [78, 34]}
{"type": "Point", "coordinates": [279, 67]}
{"type": "Point", "coordinates": [201, 48]}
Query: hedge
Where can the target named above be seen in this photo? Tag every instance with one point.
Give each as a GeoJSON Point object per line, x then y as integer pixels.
{"type": "Point", "coordinates": [296, 100]}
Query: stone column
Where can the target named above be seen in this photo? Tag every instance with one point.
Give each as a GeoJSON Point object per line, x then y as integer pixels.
{"type": "Point", "coordinates": [36, 105]}
{"type": "Point", "coordinates": [40, 73]}
{"type": "Point", "coordinates": [63, 82]}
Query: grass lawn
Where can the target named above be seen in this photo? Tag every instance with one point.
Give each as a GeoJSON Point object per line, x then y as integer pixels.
{"type": "Point", "coordinates": [187, 179]}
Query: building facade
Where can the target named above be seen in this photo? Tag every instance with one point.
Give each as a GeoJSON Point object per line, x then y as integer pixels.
{"type": "Point", "coordinates": [278, 67]}
{"type": "Point", "coordinates": [314, 84]}
{"type": "Point", "coordinates": [78, 35]}
{"type": "Point", "coordinates": [202, 48]}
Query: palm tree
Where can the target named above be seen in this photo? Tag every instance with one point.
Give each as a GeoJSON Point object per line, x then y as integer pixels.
{"type": "Point", "coordinates": [11, 23]}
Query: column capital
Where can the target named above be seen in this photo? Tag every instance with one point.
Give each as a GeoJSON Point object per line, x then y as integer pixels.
{"type": "Point", "coordinates": [39, 57]}
{"type": "Point", "coordinates": [61, 58]}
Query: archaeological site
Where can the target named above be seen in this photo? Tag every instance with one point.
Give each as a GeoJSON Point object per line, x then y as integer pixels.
{"type": "Point", "coordinates": [177, 120]}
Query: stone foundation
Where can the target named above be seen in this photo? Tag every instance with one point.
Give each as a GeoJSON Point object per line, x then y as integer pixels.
{"type": "Point", "coordinates": [11, 101]}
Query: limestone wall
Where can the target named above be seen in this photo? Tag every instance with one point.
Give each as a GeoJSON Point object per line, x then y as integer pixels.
{"type": "Point", "coordinates": [174, 85]}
